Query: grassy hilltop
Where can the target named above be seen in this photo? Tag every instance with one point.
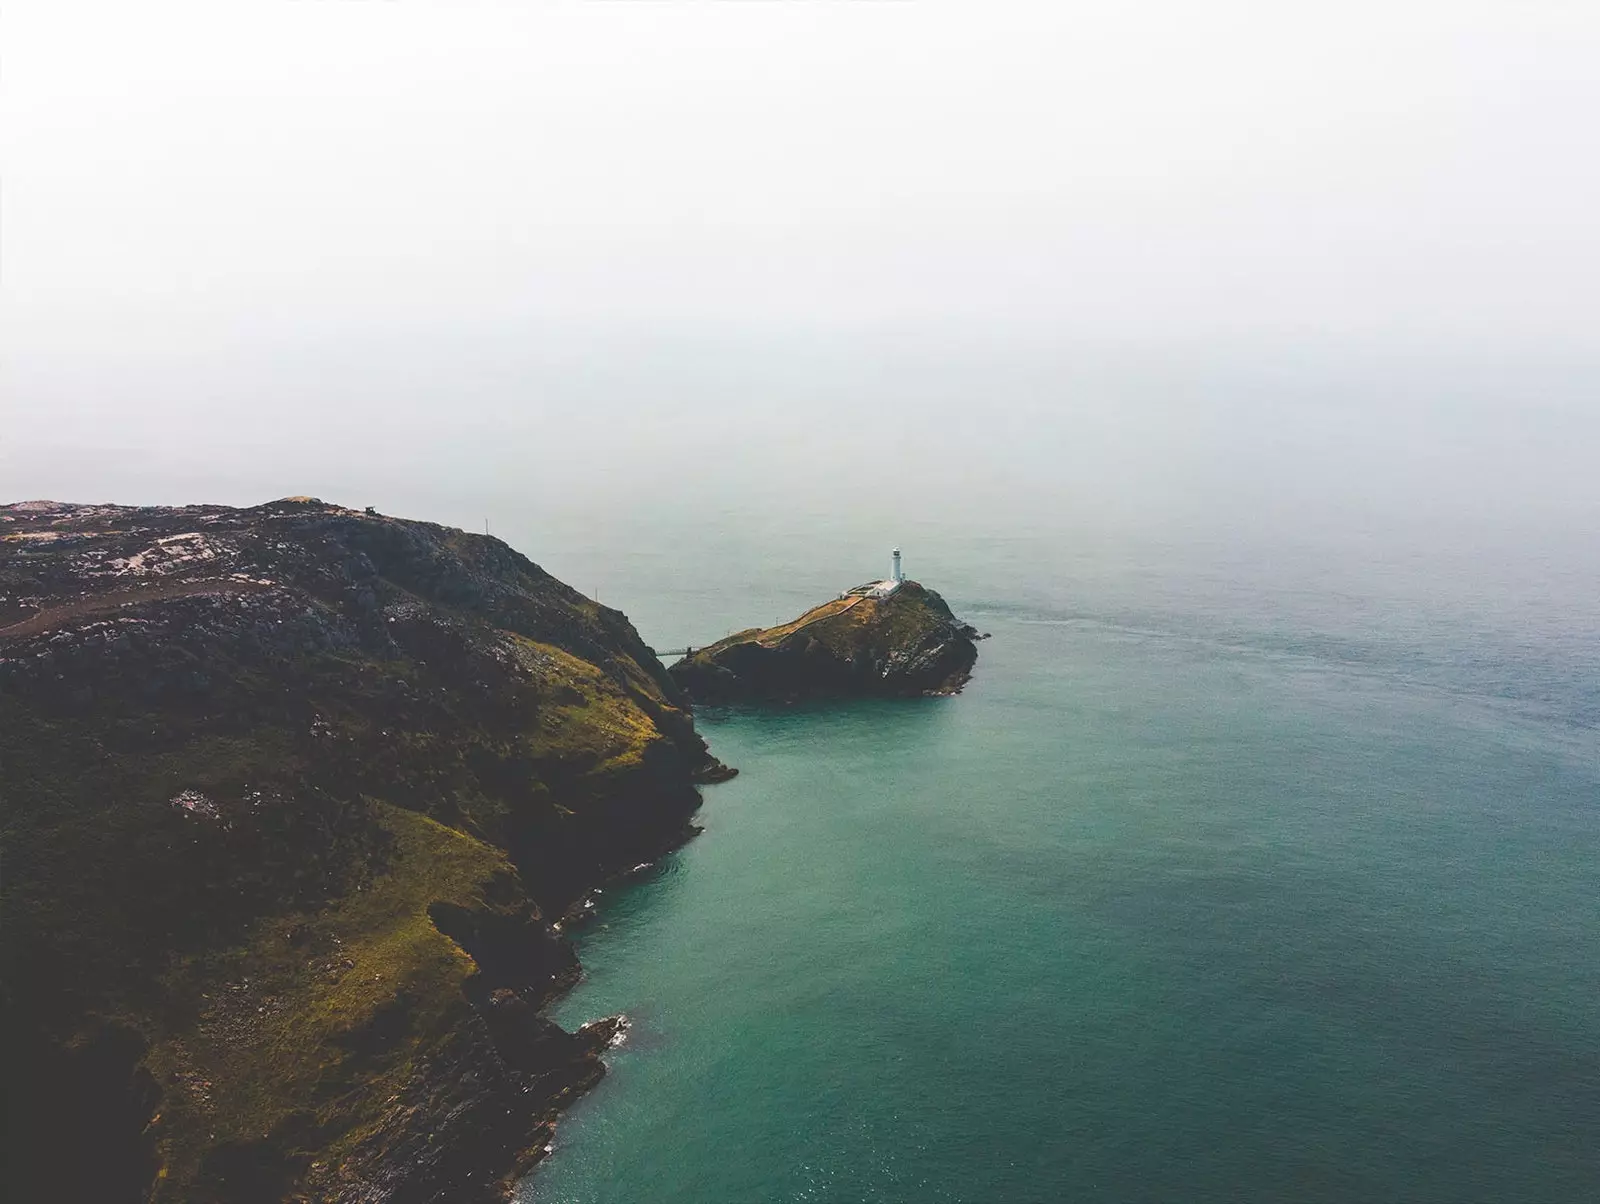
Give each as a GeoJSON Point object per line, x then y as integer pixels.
{"type": "Point", "coordinates": [904, 642]}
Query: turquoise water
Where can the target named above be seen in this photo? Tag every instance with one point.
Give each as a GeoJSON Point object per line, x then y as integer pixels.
{"type": "Point", "coordinates": [1167, 906]}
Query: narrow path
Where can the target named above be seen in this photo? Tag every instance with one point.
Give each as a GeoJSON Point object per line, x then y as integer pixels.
{"type": "Point", "coordinates": [770, 634]}
{"type": "Point", "coordinates": [53, 616]}
{"type": "Point", "coordinates": [811, 616]}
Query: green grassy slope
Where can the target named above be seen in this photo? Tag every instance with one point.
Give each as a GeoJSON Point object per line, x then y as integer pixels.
{"type": "Point", "coordinates": [283, 826]}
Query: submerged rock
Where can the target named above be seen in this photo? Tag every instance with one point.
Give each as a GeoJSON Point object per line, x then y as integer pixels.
{"type": "Point", "coordinates": [871, 642]}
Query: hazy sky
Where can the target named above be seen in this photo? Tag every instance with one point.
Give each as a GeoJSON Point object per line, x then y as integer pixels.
{"type": "Point", "coordinates": [1155, 256]}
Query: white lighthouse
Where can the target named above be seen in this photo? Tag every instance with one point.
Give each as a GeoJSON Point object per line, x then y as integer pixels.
{"type": "Point", "coordinates": [895, 574]}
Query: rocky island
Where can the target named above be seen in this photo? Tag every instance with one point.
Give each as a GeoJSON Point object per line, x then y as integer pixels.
{"type": "Point", "coordinates": [892, 638]}
{"type": "Point", "coordinates": [293, 799]}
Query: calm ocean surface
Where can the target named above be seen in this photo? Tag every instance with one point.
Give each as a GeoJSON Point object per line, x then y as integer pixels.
{"type": "Point", "coordinates": [1223, 880]}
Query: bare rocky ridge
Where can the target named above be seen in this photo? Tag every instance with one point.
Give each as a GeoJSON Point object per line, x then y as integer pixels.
{"type": "Point", "coordinates": [291, 795]}
{"type": "Point", "coordinates": [867, 643]}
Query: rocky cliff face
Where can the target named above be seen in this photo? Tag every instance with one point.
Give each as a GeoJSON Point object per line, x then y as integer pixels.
{"type": "Point", "coordinates": [904, 643]}
{"type": "Point", "coordinates": [291, 795]}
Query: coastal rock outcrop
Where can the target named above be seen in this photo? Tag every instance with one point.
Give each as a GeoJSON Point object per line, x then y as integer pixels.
{"type": "Point", "coordinates": [292, 794]}
{"type": "Point", "coordinates": [887, 640]}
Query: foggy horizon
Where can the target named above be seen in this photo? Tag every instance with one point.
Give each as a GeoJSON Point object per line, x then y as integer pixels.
{"type": "Point", "coordinates": [1149, 268]}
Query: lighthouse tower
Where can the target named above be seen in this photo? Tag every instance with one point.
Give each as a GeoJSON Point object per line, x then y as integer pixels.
{"type": "Point", "coordinates": [896, 575]}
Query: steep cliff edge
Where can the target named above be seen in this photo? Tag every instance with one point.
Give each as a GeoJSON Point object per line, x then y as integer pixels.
{"type": "Point", "coordinates": [289, 793]}
{"type": "Point", "coordinates": [870, 642]}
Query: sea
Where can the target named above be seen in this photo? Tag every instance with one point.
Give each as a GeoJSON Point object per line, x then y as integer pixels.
{"type": "Point", "coordinates": [1246, 868]}
{"type": "Point", "coordinates": [1260, 859]}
